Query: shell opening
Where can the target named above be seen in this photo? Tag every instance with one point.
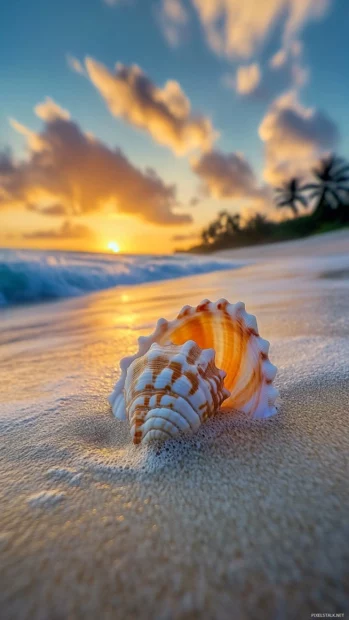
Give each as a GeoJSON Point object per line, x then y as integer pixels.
{"type": "Point", "coordinates": [229, 339]}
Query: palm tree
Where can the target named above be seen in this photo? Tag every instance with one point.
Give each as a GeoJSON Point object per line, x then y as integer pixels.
{"type": "Point", "coordinates": [210, 234]}
{"type": "Point", "coordinates": [228, 224]}
{"type": "Point", "coordinates": [258, 225]}
{"type": "Point", "coordinates": [331, 187]}
{"type": "Point", "coordinates": [205, 237]}
{"type": "Point", "coordinates": [224, 226]}
{"type": "Point", "coordinates": [289, 194]}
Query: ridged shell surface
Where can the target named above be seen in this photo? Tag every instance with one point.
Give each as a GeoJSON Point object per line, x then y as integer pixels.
{"type": "Point", "coordinates": [239, 351]}
{"type": "Point", "coordinates": [172, 389]}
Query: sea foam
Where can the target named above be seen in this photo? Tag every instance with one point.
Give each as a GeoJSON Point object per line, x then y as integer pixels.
{"type": "Point", "coordinates": [33, 276]}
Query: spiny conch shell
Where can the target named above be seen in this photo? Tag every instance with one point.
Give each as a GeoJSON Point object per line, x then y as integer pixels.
{"type": "Point", "coordinates": [172, 389]}
{"type": "Point", "coordinates": [240, 352]}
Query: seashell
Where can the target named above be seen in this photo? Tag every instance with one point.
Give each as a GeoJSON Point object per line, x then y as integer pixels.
{"type": "Point", "coordinates": [172, 389]}
{"type": "Point", "coordinates": [240, 352]}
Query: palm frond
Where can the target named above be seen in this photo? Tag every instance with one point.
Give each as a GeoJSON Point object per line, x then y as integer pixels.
{"type": "Point", "coordinates": [302, 200]}
{"type": "Point", "coordinates": [322, 195]}
{"type": "Point", "coordinates": [331, 195]}
{"type": "Point", "coordinates": [340, 161]}
{"type": "Point", "coordinates": [343, 178]}
{"type": "Point", "coordinates": [311, 186]}
{"type": "Point", "coordinates": [284, 203]}
{"type": "Point", "coordinates": [314, 194]}
{"type": "Point", "coordinates": [319, 174]}
{"type": "Point", "coordinates": [343, 170]}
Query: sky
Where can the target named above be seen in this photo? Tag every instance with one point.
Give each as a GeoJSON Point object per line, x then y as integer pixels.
{"type": "Point", "coordinates": [134, 122]}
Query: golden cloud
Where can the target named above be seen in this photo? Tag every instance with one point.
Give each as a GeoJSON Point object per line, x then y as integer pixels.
{"type": "Point", "coordinates": [294, 138]}
{"type": "Point", "coordinates": [248, 78]}
{"type": "Point", "coordinates": [173, 18]}
{"type": "Point", "coordinates": [69, 171]}
{"type": "Point", "coordinates": [68, 230]}
{"type": "Point", "coordinates": [75, 64]}
{"type": "Point", "coordinates": [164, 113]}
{"type": "Point", "coordinates": [284, 70]}
{"type": "Point", "coordinates": [49, 110]}
{"type": "Point", "coordinates": [228, 175]}
{"type": "Point", "coordinates": [237, 28]}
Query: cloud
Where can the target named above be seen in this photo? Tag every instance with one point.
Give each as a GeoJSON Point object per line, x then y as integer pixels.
{"type": "Point", "coordinates": [187, 237]}
{"type": "Point", "coordinates": [294, 137]}
{"type": "Point", "coordinates": [173, 19]}
{"type": "Point", "coordinates": [49, 110]}
{"type": "Point", "coordinates": [68, 230]}
{"type": "Point", "coordinates": [75, 64]}
{"type": "Point", "coordinates": [300, 12]}
{"type": "Point", "coordinates": [52, 209]}
{"type": "Point", "coordinates": [73, 169]}
{"type": "Point", "coordinates": [6, 163]}
{"type": "Point", "coordinates": [194, 201]}
{"type": "Point", "coordinates": [164, 113]}
{"type": "Point", "coordinates": [248, 78]}
{"type": "Point", "coordinates": [284, 71]}
{"type": "Point", "coordinates": [238, 29]}
{"type": "Point", "coordinates": [228, 176]}
{"type": "Point", "coordinates": [33, 139]}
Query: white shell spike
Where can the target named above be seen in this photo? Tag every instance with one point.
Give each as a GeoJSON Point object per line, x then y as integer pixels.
{"type": "Point", "coordinates": [233, 334]}
{"type": "Point", "coordinates": [172, 389]}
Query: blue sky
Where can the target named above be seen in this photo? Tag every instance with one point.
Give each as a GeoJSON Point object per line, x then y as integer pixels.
{"type": "Point", "coordinates": [38, 36]}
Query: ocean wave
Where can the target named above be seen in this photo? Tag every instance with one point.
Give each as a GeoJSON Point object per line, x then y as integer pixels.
{"type": "Point", "coordinates": [28, 276]}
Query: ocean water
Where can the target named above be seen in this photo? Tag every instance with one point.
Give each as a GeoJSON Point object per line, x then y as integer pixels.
{"type": "Point", "coordinates": [28, 276]}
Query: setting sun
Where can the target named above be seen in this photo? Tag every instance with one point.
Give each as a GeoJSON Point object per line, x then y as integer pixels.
{"type": "Point", "coordinates": [113, 247]}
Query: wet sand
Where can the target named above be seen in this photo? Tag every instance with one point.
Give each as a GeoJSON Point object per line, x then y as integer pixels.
{"type": "Point", "coordinates": [248, 519]}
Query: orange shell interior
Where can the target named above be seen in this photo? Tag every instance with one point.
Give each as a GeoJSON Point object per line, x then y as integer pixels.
{"type": "Point", "coordinates": [235, 347]}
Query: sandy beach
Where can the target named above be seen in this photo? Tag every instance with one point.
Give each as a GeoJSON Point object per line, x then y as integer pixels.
{"type": "Point", "coordinates": [246, 520]}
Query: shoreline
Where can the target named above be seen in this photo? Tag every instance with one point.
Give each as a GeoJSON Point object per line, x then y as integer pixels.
{"type": "Point", "coordinates": [202, 250]}
{"type": "Point", "coordinates": [249, 516]}
{"type": "Point", "coordinates": [307, 245]}
{"type": "Point", "coordinates": [336, 243]}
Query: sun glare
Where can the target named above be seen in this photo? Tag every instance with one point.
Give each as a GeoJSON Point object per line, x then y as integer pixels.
{"type": "Point", "coordinates": [113, 247]}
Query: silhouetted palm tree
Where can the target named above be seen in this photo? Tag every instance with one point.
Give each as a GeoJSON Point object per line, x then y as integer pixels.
{"type": "Point", "coordinates": [205, 237]}
{"type": "Point", "coordinates": [224, 225]}
{"type": "Point", "coordinates": [210, 234]}
{"type": "Point", "coordinates": [289, 194]}
{"type": "Point", "coordinates": [228, 224]}
{"type": "Point", "coordinates": [332, 186]}
{"type": "Point", "coordinates": [258, 225]}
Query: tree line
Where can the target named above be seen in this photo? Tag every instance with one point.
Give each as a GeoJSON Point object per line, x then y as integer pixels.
{"type": "Point", "coordinates": [328, 191]}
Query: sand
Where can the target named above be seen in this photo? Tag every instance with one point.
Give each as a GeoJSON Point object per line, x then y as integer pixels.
{"type": "Point", "coordinates": [247, 520]}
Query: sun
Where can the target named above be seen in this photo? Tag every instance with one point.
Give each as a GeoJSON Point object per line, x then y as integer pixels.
{"type": "Point", "coordinates": [113, 247]}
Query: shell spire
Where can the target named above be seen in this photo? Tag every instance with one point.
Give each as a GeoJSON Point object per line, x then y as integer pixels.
{"type": "Point", "coordinates": [172, 389]}
{"type": "Point", "coordinates": [239, 351]}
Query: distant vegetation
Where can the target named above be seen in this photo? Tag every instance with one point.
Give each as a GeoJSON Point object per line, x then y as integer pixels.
{"type": "Point", "coordinates": [330, 191]}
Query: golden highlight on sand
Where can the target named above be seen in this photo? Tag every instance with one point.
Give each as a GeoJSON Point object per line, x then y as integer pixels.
{"type": "Point", "coordinates": [210, 357]}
